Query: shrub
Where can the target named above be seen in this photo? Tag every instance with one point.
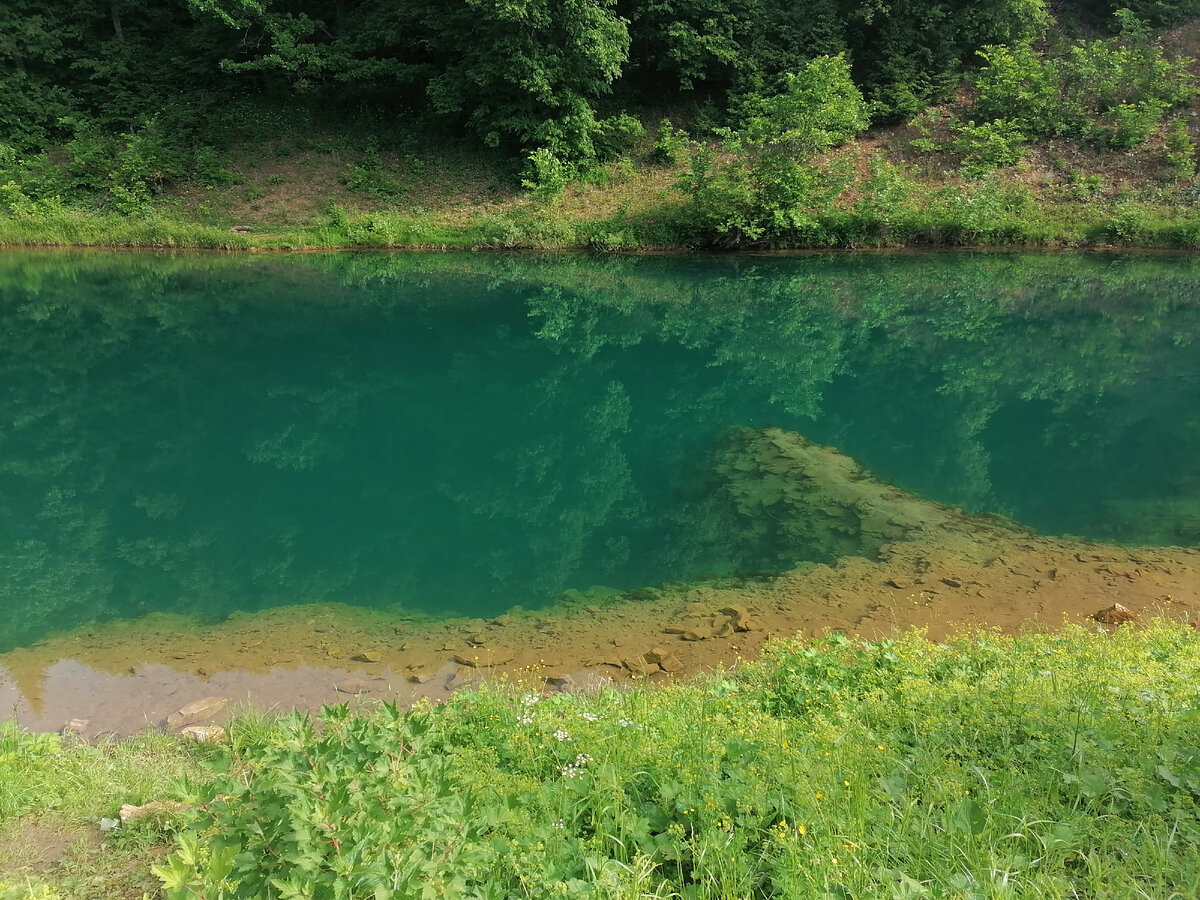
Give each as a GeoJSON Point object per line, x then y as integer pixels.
{"type": "Point", "coordinates": [989, 146]}
{"type": "Point", "coordinates": [765, 190]}
{"type": "Point", "coordinates": [1180, 150]}
{"type": "Point", "coordinates": [1109, 93]}
{"type": "Point", "coordinates": [670, 145]}
{"type": "Point", "coordinates": [546, 175]}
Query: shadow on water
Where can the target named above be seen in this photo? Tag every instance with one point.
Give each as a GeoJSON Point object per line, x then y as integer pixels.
{"type": "Point", "coordinates": [459, 434]}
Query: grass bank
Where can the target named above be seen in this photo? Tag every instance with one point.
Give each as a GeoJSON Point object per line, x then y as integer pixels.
{"type": "Point", "coordinates": [995, 214]}
{"type": "Point", "coordinates": [1045, 765]}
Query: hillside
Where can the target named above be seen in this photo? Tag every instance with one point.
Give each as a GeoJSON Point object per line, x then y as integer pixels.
{"type": "Point", "coordinates": [1074, 131]}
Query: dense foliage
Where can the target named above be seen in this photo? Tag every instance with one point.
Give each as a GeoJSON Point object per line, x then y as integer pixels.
{"type": "Point", "coordinates": [1050, 765]}
{"type": "Point", "coordinates": [113, 112]}
{"type": "Point", "coordinates": [520, 75]}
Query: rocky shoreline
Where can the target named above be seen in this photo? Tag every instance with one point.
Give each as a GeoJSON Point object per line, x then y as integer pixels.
{"type": "Point", "coordinates": [892, 561]}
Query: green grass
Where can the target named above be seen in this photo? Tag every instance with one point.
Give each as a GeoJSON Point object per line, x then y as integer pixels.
{"type": "Point", "coordinates": [966, 218]}
{"type": "Point", "coordinates": [1061, 765]}
{"type": "Point", "coordinates": [53, 791]}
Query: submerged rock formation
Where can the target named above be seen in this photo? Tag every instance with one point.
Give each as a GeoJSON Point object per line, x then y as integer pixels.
{"type": "Point", "coordinates": [797, 501]}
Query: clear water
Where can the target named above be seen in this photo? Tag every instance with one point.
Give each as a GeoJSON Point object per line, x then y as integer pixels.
{"type": "Point", "coordinates": [458, 434]}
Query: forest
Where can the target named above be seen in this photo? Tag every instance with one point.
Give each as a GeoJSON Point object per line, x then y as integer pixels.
{"type": "Point", "coordinates": [114, 106]}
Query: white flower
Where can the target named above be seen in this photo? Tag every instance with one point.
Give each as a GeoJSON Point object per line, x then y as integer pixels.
{"type": "Point", "coordinates": [591, 717]}
{"type": "Point", "coordinates": [562, 735]}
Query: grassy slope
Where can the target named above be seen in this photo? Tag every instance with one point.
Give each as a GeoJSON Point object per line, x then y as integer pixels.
{"type": "Point", "coordinates": [1060, 197]}
{"type": "Point", "coordinates": [1047, 765]}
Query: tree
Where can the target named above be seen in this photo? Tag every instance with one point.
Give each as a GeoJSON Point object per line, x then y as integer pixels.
{"type": "Point", "coordinates": [766, 190]}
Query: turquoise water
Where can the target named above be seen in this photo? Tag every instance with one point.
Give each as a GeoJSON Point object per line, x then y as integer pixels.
{"type": "Point", "coordinates": [458, 434]}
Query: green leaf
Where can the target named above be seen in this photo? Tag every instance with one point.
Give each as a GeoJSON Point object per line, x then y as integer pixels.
{"type": "Point", "coordinates": [970, 817]}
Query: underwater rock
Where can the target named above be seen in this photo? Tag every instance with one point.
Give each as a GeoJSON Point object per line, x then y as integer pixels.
{"type": "Point", "coordinates": [196, 711]}
{"type": "Point", "coordinates": [493, 656]}
{"type": "Point", "coordinates": [721, 626]}
{"type": "Point", "coordinates": [636, 666]}
{"type": "Point", "coordinates": [793, 500]}
{"type": "Point", "coordinates": [1164, 520]}
{"type": "Point", "coordinates": [738, 616]}
{"type": "Point", "coordinates": [664, 659]}
{"type": "Point", "coordinates": [367, 656]}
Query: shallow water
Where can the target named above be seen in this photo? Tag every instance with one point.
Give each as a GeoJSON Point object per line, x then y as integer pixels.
{"type": "Point", "coordinates": [459, 434]}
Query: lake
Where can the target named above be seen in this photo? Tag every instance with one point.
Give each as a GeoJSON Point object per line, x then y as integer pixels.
{"type": "Point", "coordinates": [459, 434]}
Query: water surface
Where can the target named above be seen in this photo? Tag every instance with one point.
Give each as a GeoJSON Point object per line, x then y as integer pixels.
{"type": "Point", "coordinates": [458, 434]}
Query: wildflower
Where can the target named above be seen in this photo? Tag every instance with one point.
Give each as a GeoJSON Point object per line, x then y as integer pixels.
{"type": "Point", "coordinates": [562, 735]}
{"type": "Point", "coordinates": [624, 721]}
{"type": "Point", "coordinates": [526, 719]}
{"type": "Point", "coordinates": [590, 717]}
{"type": "Point", "coordinates": [846, 783]}
{"type": "Point", "coordinates": [801, 830]}
{"type": "Point", "coordinates": [530, 699]}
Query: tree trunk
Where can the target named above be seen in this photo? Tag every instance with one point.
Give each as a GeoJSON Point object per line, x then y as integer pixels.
{"type": "Point", "coordinates": [116, 20]}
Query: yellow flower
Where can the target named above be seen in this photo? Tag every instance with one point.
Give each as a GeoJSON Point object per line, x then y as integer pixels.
{"type": "Point", "coordinates": [846, 783]}
{"type": "Point", "coordinates": [802, 829]}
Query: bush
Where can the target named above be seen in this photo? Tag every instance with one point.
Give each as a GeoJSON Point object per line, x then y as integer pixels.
{"type": "Point", "coordinates": [616, 136]}
{"type": "Point", "coordinates": [765, 191]}
{"type": "Point", "coordinates": [545, 175]}
{"type": "Point", "coordinates": [990, 146]}
{"type": "Point", "coordinates": [1180, 150]}
{"type": "Point", "coordinates": [1108, 93]}
{"type": "Point", "coordinates": [670, 145]}
{"type": "Point", "coordinates": [370, 178]}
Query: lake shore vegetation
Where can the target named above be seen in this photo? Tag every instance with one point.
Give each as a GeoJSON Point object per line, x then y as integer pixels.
{"type": "Point", "coordinates": [609, 125]}
{"type": "Point", "coordinates": [1055, 763]}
